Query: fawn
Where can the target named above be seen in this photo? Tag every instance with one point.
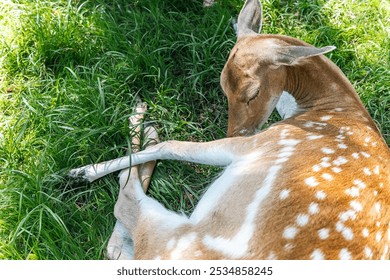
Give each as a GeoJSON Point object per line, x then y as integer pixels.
{"type": "Point", "coordinates": [312, 186]}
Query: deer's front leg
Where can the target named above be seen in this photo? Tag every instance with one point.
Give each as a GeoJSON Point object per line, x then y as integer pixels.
{"type": "Point", "coordinates": [217, 153]}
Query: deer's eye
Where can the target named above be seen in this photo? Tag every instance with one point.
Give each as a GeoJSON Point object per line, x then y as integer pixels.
{"type": "Point", "coordinates": [252, 96]}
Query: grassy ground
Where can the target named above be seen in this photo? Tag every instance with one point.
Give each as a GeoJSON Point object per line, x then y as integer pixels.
{"type": "Point", "coordinates": [69, 74]}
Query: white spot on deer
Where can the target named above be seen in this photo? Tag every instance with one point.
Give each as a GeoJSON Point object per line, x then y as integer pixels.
{"type": "Point", "coordinates": [327, 151]}
{"type": "Point", "coordinates": [313, 208]}
{"type": "Point", "coordinates": [325, 164]}
{"type": "Point", "coordinates": [378, 236]}
{"type": "Point", "coordinates": [285, 154]}
{"type": "Point", "coordinates": [326, 118]}
{"type": "Point", "coordinates": [336, 169]}
{"type": "Point", "coordinates": [368, 252]}
{"type": "Point", "coordinates": [323, 233]}
{"type": "Point", "coordinates": [355, 155]}
{"type": "Point", "coordinates": [285, 133]}
{"type": "Point", "coordinates": [347, 215]}
{"type": "Point", "coordinates": [376, 170]}
{"type": "Point", "coordinates": [367, 171]}
{"type": "Point", "coordinates": [314, 137]}
{"type": "Point", "coordinates": [182, 245]}
{"type": "Point", "coordinates": [342, 146]}
{"type": "Point", "coordinates": [357, 206]}
{"type": "Point", "coordinates": [317, 255]}
{"type": "Point", "coordinates": [289, 142]}
{"type": "Point", "coordinates": [316, 168]}
{"type": "Point", "coordinates": [378, 207]}
{"type": "Point", "coordinates": [309, 124]}
{"type": "Point", "coordinates": [359, 183]}
{"type": "Point", "coordinates": [353, 192]}
{"type": "Point", "coordinates": [366, 155]}
{"type": "Point", "coordinates": [347, 233]}
{"type": "Point", "coordinates": [327, 176]}
{"type": "Point", "coordinates": [340, 226]}
{"type": "Point", "coordinates": [318, 125]}
{"type": "Point", "coordinates": [311, 182]}
{"type": "Point", "coordinates": [338, 109]}
{"type": "Point", "coordinates": [340, 161]}
{"type": "Point", "coordinates": [302, 220]}
{"type": "Point", "coordinates": [284, 194]}
{"type": "Point", "coordinates": [345, 254]}
{"type": "Point", "coordinates": [290, 232]}
{"type": "Point", "coordinates": [365, 232]}
{"type": "Point", "coordinates": [321, 195]}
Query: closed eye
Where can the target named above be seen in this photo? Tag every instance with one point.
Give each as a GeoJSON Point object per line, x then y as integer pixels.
{"type": "Point", "coordinates": [253, 96]}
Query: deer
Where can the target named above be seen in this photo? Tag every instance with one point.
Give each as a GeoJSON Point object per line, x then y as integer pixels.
{"type": "Point", "coordinates": [315, 185]}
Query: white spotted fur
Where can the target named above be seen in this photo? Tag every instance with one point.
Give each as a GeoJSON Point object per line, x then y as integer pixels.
{"type": "Point", "coordinates": [313, 186]}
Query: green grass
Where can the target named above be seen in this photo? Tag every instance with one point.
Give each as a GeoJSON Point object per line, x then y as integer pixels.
{"type": "Point", "coordinates": [69, 75]}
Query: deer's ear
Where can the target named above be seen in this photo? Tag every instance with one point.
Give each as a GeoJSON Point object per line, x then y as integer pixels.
{"type": "Point", "coordinates": [293, 54]}
{"type": "Point", "coordinates": [249, 19]}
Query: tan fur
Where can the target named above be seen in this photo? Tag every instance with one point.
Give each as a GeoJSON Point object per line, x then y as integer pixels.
{"type": "Point", "coordinates": [314, 186]}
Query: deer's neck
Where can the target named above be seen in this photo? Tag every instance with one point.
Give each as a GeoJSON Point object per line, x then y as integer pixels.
{"type": "Point", "coordinates": [320, 85]}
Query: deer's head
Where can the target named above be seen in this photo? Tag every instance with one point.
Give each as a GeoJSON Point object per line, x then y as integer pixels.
{"type": "Point", "coordinates": [255, 73]}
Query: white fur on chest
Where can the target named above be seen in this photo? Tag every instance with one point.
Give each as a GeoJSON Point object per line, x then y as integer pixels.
{"type": "Point", "coordinates": [287, 105]}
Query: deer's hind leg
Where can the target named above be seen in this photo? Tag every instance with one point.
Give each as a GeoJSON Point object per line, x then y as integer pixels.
{"type": "Point", "coordinates": [120, 245]}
